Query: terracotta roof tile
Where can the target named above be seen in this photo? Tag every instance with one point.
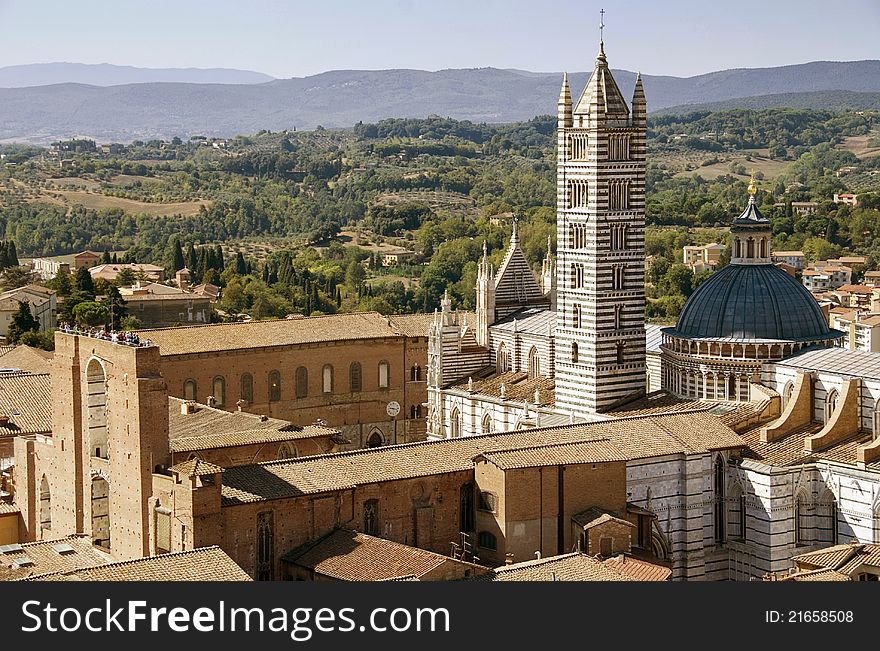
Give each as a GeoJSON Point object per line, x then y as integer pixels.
{"type": "Point", "coordinates": [50, 556]}
{"type": "Point", "coordinates": [817, 575]}
{"type": "Point", "coordinates": [567, 567]}
{"type": "Point", "coordinates": [26, 400]}
{"type": "Point", "coordinates": [638, 569]}
{"type": "Point", "coordinates": [596, 451]}
{"type": "Point", "coordinates": [196, 468]}
{"type": "Point", "coordinates": [353, 556]}
{"type": "Point", "coordinates": [261, 334]}
{"type": "Point", "coordinates": [635, 438]}
{"type": "Point", "coordinates": [7, 508]}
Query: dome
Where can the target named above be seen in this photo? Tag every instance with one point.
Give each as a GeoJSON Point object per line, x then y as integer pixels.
{"type": "Point", "coordinates": [753, 302]}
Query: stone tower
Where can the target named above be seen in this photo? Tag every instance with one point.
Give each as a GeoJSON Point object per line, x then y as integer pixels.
{"type": "Point", "coordinates": [485, 298]}
{"type": "Point", "coordinates": [600, 218]}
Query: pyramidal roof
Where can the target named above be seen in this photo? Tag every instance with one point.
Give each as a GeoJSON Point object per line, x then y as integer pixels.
{"type": "Point", "coordinates": [515, 282]}
{"type": "Point", "coordinates": [602, 92]}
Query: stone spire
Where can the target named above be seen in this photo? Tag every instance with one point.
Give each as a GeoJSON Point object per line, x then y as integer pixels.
{"type": "Point", "coordinates": [564, 119]}
{"type": "Point", "coordinates": [639, 104]}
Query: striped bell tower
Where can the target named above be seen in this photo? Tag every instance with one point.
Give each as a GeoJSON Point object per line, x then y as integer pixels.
{"type": "Point", "coordinates": [600, 220]}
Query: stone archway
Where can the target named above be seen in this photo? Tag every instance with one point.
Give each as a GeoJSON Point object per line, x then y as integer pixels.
{"type": "Point", "coordinates": [101, 512]}
{"type": "Point", "coordinates": [96, 415]}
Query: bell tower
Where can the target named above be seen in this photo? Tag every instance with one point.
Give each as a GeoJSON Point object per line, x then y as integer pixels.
{"type": "Point", "coordinates": [600, 221]}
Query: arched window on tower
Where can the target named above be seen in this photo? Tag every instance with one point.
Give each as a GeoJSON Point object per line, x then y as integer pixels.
{"type": "Point", "coordinates": [487, 424]}
{"type": "Point", "coordinates": [189, 390]}
{"type": "Point", "coordinates": [219, 386]}
{"type": "Point", "coordinates": [455, 424]}
{"type": "Point", "coordinates": [801, 521]}
{"type": "Point", "coordinates": [576, 317]}
{"type": "Point", "coordinates": [416, 373]}
{"type": "Point", "coordinates": [501, 365]}
{"type": "Point", "coordinates": [574, 352]}
{"type": "Point", "coordinates": [621, 356]}
{"type": "Point", "coordinates": [371, 517]}
{"type": "Point", "coordinates": [618, 310]}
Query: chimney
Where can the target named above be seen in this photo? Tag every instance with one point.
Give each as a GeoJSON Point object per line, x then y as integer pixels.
{"type": "Point", "coordinates": [188, 407]}
{"type": "Point", "coordinates": [211, 401]}
{"type": "Point", "coordinates": [508, 559]}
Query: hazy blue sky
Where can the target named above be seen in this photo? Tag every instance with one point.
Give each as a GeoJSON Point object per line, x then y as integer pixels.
{"type": "Point", "coordinates": [303, 37]}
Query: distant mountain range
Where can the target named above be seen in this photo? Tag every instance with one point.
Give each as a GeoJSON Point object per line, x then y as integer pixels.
{"type": "Point", "coordinates": [341, 98]}
{"type": "Point", "coordinates": [106, 74]}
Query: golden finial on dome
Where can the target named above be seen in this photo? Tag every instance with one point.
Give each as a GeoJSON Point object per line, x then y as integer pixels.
{"type": "Point", "coordinates": [753, 189]}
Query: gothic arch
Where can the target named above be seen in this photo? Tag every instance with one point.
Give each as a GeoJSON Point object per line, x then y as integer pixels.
{"type": "Point", "coordinates": [375, 440]}
{"type": "Point", "coordinates": [787, 393]}
{"type": "Point", "coordinates": [501, 365]}
{"type": "Point", "coordinates": [830, 404]}
{"type": "Point", "coordinates": [534, 363]}
{"type": "Point", "coordinates": [287, 450]}
{"type": "Point", "coordinates": [801, 521]}
{"type": "Point", "coordinates": [455, 423]}
{"type": "Point", "coordinates": [486, 423]}
{"type": "Point", "coordinates": [826, 518]}
{"type": "Point", "coordinates": [96, 389]}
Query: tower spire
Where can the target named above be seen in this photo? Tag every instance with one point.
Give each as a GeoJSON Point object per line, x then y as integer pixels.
{"type": "Point", "coordinates": [601, 33]}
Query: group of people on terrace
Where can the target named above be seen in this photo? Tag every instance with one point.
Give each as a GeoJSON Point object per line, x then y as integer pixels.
{"type": "Point", "coordinates": [126, 337]}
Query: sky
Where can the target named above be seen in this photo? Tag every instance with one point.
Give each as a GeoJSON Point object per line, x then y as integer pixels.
{"type": "Point", "coordinates": [295, 38]}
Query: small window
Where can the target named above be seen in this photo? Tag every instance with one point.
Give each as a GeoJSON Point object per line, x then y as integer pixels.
{"type": "Point", "coordinates": [274, 386]}
{"type": "Point", "coordinates": [247, 388]}
{"type": "Point", "coordinates": [189, 390]}
{"type": "Point", "coordinates": [487, 540]}
{"type": "Point", "coordinates": [219, 386]}
{"type": "Point", "coordinates": [354, 377]}
{"type": "Point", "coordinates": [383, 374]}
{"type": "Point", "coordinates": [371, 517]}
{"type": "Point", "coordinates": [574, 353]}
{"type": "Point", "coordinates": [302, 382]}
{"type": "Point", "coordinates": [488, 501]}
{"type": "Point", "coordinates": [606, 545]}
{"type": "Point", "coordinates": [327, 378]}
{"type": "Point", "coordinates": [416, 373]}
{"type": "Point", "coordinates": [415, 411]}
{"type": "Point", "coordinates": [375, 440]}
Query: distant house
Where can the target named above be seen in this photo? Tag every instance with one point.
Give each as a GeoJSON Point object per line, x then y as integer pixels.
{"type": "Point", "coordinates": [501, 219]}
{"type": "Point", "coordinates": [862, 328]}
{"type": "Point", "coordinates": [207, 290]}
{"type": "Point", "coordinates": [157, 306]}
{"type": "Point", "coordinates": [847, 199]}
{"type": "Point", "coordinates": [787, 268]}
{"type": "Point", "coordinates": [85, 259]}
{"type": "Point", "coordinates": [42, 301]}
{"type": "Point", "coordinates": [825, 275]}
{"type": "Point", "coordinates": [872, 278]}
{"type": "Point", "coordinates": [47, 269]}
{"type": "Point", "coordinates": [792, 258]}
{"type": "Point", "coordinates": [395, 258]}
{"type": "Point", "coordinates": [110, 272]}
{"type": "Point", "coordinates": [700, 258]}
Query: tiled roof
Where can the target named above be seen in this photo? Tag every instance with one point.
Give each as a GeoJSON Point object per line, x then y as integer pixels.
{"type": "Point", "coordinates": [846, 558]}
{"type": "Point", "coordinates": [26, 400]}
{"type": "Point", "coordinates": [567, 567]}
{"type": "Point", "coordinates": [261, 334]}
{"type": "Point", "coordinates": [6, 508]}
{"type": "Point", "coordinates": [851, 363]}
{"type": "Point", "coordinates": [209, 428]}
{"type": "Point", "coordinates": [51, 556]}
{"type": "Point", "coordinates": [207, 419]}
{"type": "Point", "coordinates": [638, 569]}
{"type": "Point", "coordinates": [195, 468]}
{"type": "Point", "coordinates": [203, 564]}
{"type": "Point", "coordinates": [517, 387]}
{"type": "Point", "coordinates": [595, 516]}
{"type": "Point", "coordinates": [817, 575]}
{"type": "Point", "coordinates": [597, 451]}
{"type": "Point", "coordinates": [352, 556]}
{"type": "Point", "coordinates": [32, 360]}
{"type": "Point", "coordinates": [635, 438]}
{"type": "Point", "coordinates": [417, 325]}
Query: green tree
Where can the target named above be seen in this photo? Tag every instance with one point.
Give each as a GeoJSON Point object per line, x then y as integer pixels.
{"type": "Point", "coordinates": [44, 340]}
{"type": "Point", "coordinates": [82, 282]}
{"type": "Point", "coordinates": [14, 277]}
{"type": "Point", "coordinates": [126, 277]}
{"type": "Point", "coordinates": [22, 321]}
{"type": "Point", "coordinates": [61, 283]}
{"type": "Point", "coordinates": [176, 255]}
{"type": "Point", "coordinates": [115, 306]}
{"type": "Point", "coordinates": [90, 314]}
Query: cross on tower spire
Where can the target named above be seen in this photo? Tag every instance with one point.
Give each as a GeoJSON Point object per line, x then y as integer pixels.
{"type": "Point", "coordinates": [601, 28]}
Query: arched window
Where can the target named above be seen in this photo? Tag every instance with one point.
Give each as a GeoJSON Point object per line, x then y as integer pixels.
{"type": "Point", "coordinates": [371, 517]}
{"type": "Point", "coordinates": [736, 520]}
{"type": "Point", "coordinates": [487, 540]}
{"type": "Point", "coordinates": [45, 507]}
{"type": "Point", "coordinates": [219, 386]}
{"type": "Point", "coordinates": [534, 363]}
{"type": "Point", "coordinates": [466, 507]}
{"type": "Point", "coordinates": [618, 310]}
{"type": "Point", "coordinates": [247, 388]}
{"type": "Point", "coordinates": [455, 423]}
{"type": "Point", "coordinates": [301, 383]}
{"type": "Point", "coordinates": [826, 520]}
{"type": "Point", "coordinates": [801, 521]}
{"type": "Point", "coordinates": [96, 380]}
{"type": "Point", "coordinates": [620, 352]}
{"type": "Point", "coordinates": [101, 512]}
{"type": "Point", "coordinates": [501, 359]}
{"type": "Point", "coordinates": [830, 404]}
{"type": "Point", "coordinates": [415, 373]}
{"type": "Point", "coordinates": [720, 510]}
{"type": "Point", "coordinates": [327, 378]}
{"type": "Point", "coordinates": [787, 393]}
{"type": "Point", "coordinates": [574, 352]}
{"type": "Point", "coordinates": [375, 440]}
{"type": "Point", "coordinates": [487, 424]}
{"type": "Point", "coordinates": [415, 411]}
{"type": "Point", "coordinates": [384, 373]}
{"type": "Point", "coordinates": [576, 317]}
{"type": "Point", "coordinates": [189, 390]}
{"type": "Point", "coordinates": [750, 248]}
{"type": "Point", "coordinates": [274, 386]}
{"type": "Point", "coordinates": [265, 548]}
{"type": "Point", "coordinates": [354, 377]}
{"type": "Point", "coordinates": [287, 451]}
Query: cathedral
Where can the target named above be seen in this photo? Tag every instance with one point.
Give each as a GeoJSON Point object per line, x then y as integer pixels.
{"type": "Point", "coordinates": [751, 347]}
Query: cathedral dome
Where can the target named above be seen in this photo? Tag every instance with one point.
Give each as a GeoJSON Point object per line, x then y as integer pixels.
{"type": "Point", "coordinates": [753, 302]}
